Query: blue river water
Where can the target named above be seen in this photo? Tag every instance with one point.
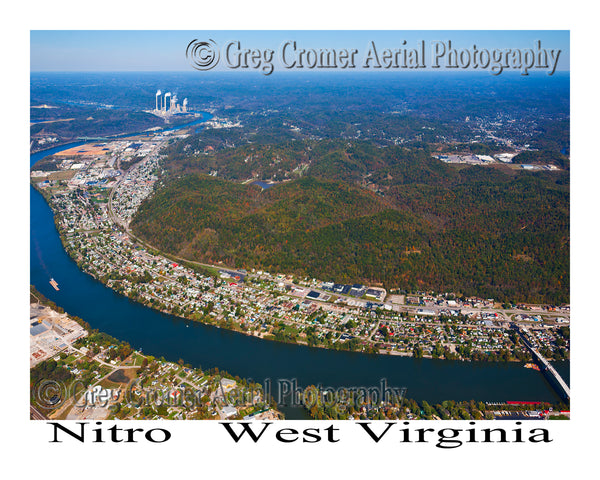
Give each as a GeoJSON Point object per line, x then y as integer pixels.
{"type": "Point", "coordinates": [165, 335]}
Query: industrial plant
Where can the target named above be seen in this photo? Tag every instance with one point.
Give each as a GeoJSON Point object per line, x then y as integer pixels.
{"type": "Point", "coordinates": [166, 105]}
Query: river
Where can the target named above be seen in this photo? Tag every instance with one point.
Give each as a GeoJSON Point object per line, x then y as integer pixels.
{"type": "Point", "coordinates": [173, 338]}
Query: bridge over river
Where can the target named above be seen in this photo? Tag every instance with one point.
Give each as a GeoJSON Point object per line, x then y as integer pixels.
{"type": "Point", "coordinates": [547, 369]}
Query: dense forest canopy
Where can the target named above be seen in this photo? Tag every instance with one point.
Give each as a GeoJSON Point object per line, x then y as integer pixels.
{"type": "Point", "coordinates": [359, 212]}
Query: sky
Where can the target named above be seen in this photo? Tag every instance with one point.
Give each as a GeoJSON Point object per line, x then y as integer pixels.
{"type": "Point", "coordinates": [164, 50]}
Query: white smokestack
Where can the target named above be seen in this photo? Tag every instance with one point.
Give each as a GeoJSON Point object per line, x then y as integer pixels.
{"type": "Point", "coordinates": [158, 94]}
{"type": "Point", "coordinates": [168, 94]}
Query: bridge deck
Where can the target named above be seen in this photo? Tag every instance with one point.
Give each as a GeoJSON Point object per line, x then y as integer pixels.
{"type": "Point", "coordinates": [553, 371]}
{"type": "Point", "coordinates": [547, 366]}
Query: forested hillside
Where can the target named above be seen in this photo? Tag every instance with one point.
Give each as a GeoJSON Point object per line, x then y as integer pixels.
{"type": "Point", "coordinates": [376, 215]}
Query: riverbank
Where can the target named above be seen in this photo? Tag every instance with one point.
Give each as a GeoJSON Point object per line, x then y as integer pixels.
{"type": "Point", "coordinates": [104, 366]}
{"type": "Point", "coordinates": [277, 330]}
